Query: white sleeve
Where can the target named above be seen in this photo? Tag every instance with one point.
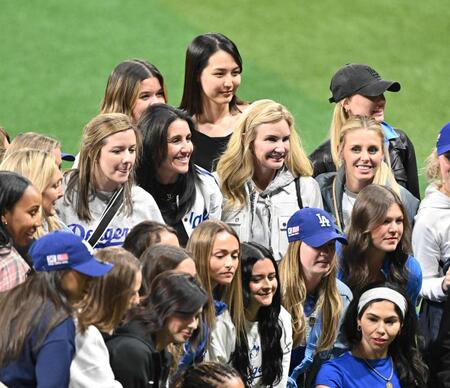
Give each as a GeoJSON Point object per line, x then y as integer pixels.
{"type": "Point", "coordinates": [427, 252]}
{"type": "Point", "coordinates": [222, 339]}
{"type": "Point", "coordinates": [286, 345]}
{"type": "Point", "coordinates": [310, 192]}
{"type": "Point", "coordinates": [90, 366]}
{"type": "Point", "coordinates": [215, 202]}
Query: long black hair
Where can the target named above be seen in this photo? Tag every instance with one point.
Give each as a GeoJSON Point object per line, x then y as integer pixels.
{"type": "Point", "coordinates": [197, 56]}
{"type": "Point", "coordinates": [12, 187]}
{"type": "Point", "coordinates": [154, 124]}
{"type": "Point", "coordinates": [409, 366]}
{"type": "Point", "coordinates": [171, 293]}
{"type": "Point", "coordinates": [269, 328]}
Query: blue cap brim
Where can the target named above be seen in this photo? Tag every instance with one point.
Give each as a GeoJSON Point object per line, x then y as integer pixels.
{"type": "Point", "coordinates": [318, 240]}
{"type": "Point", "coordinates": [93, 268]}
{"type": "Point", "coordinates": [67, 157]}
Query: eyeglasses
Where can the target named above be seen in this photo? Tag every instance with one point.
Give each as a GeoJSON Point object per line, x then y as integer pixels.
{"type": "Point", "coordinates": [447, 155]}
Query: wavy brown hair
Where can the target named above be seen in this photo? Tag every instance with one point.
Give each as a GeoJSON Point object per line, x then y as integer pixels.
{"type": "Point", "coordinates": [369, 211]}
{"type": "Point", "coordinates": [108, 298]}
{"type": "Point", "coordinates": [329, 301]}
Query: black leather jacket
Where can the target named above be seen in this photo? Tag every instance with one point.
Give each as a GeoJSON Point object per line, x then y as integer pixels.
{"type": "Point", "coordinates": [401, 152]}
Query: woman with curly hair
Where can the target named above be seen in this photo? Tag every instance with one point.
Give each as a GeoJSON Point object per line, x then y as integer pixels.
{"type": "Point", "coordinates": [380, 329]}
{"type": "Point", "coordinates": [265, 176]}
{"type": "Point", "coordinates": [262, 357]}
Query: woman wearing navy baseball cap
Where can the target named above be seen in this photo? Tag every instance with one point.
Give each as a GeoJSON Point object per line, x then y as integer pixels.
{"type": "Point", "coordinates": [358, 89]}
{"type": "Point", "coordinates": [312, 295]}
{"type": "Point", "coordinates": [36, 327]}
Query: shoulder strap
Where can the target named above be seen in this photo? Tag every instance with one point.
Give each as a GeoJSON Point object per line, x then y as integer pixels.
{"type": "Point", "coordinates": [336, 208]}
{"type": "Point", "coordinates": [108, 214]}
{"type": "Point", "coordinates": [299, 194]}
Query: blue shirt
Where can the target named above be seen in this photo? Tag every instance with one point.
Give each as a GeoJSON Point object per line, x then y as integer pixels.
{"type": "Point", "coordinates": [48, 366]}
{"type": "Point", "coordinates": [348, 371]}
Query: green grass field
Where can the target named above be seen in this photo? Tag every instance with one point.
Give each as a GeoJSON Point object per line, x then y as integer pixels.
{"type": "Point", "coordinates": [56, 56]}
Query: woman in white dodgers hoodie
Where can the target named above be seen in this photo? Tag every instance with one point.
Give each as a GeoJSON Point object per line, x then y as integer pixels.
{"type": "Point", "coordinates": [186, 194]}
{"type": "Point", "coordinates": [431, 233]}
{"type": "Point", "coordinates": [109, 149]}
{"type": "Point", "coordinates": [101, 311]}
{"type": "Point", "coordinates": [258, 173]}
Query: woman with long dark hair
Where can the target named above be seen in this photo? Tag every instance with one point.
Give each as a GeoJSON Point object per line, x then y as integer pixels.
{"type": "Point", "coordinates": [36, 325]}
{"type": "Point", "coordinates": [212, 76]}
{"type": "Point", "coordinates": [186, 194]}
{"type": "Point", "coordinates": [20, 204]}
{"type": "Point", "coordinates": [380, 329]}
{"type": "Point", "coordinates": [379, 243]}
{"type": "Point", "coordinates": [263, 356]}
{"type": "Point", "coordinates": [169, 315]}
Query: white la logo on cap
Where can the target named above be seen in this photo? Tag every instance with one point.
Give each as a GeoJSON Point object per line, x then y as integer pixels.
{"type": "Point", "coordinates": [324, 221]}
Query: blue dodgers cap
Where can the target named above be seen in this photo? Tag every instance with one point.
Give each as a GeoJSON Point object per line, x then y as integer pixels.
{"type": "Point", "coordinates": [443, 140]}
{"type": "Point", "coordinates": [59, 250]}
{"type": "Point", "coordinates": [313, 226]}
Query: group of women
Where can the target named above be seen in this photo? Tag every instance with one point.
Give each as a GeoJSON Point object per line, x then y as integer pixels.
{"type": "Point", "coordinates": [268, 290]}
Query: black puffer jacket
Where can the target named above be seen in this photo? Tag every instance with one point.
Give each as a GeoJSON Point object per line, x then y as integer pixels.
{"type": "Point", "coordinates": [401, 153]}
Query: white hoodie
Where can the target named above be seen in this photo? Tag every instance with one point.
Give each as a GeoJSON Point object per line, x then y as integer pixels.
{"type": "Point", "coordinates": [431, 241]}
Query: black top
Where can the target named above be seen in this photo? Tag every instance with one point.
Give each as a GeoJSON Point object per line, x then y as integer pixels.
{"type": "Point", "coordinates": [134, 359]}
{"type": "Point", "coordinates": [208, 150]}
{"type": "Point", "coordinates": [166, 198]}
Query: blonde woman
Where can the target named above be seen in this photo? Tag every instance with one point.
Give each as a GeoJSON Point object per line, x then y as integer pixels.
{"type": "Point", "coordinates": [40, 142]}
{"type": "Point", "coordinates": [358, 89]}
{"type": "Point", "coordinates": [313, 295]}
{"type": "Point", "coordinates": [361, 162]}
{"type": "Point", "coordinates": [216, 252]}
{"type": "Point", "coordinates": [265, 176]}
{"type": "Point", "coordinates": [40, 168]}
{"type": "Point", "coordinates": [109, 149]}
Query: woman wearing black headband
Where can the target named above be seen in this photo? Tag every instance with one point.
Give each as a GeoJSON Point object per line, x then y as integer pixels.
{"type": "Point", "coordinates": [380, 329]}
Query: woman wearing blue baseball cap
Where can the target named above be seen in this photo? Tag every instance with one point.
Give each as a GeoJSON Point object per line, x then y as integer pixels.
{"type": "Point", "coordinates": [312, 295]}
{"type": "Point", "coordinates": [36, 326]}
{"type": "Point", "coordinates": [357, 89]}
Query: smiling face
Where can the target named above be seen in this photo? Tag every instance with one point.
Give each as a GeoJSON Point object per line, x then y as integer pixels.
{"type": "Point", "coordinates": [179, 150]}
{"type": "Point", "coordinates": [271, 146]}
{"type": "Point", "coordinates": [52, 193]}
{"type": "Point", "coordinates": [150, 92]}
{"type": "Point", "coordinates": [316, 262]}
{"type": "Point", "coordinates": [362, 154]}
{"type": "Point", "coordinates": [263, 283]}
{"type": "Point", "coordinates": [224, 259]}
{"type": "Point", "coordinates": [116, 161]}
{"type": "Point", "coordinates": [220, 79]}
{"type": "Point", "coordinates": [379, 324]}
{"type": "Point", "coordinates": [366, 106]}
{"type": "Point", "coordinates": [387, 236]}
{"type": "Point", "coordinates": [24, 218]}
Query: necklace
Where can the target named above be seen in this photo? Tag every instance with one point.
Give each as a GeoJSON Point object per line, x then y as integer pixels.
{"type": "Point", "coordinates": [387, 379]}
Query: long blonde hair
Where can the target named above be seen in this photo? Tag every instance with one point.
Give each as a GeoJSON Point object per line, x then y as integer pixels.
{"type": "Point", "coordinates": [329, 302]}
{"type": "Point", "coordinates": [383, 175]}
{"type": "Point", "coordinates": [201, 245]}
{"type": "Point", "coordinates": [236, 166]}
{"type": "Point", "coordinates": [32, 140]}
{"type": "Point", "coordinates": [432, 169]}
{"type": "Point", "coordinates": [39, 167]}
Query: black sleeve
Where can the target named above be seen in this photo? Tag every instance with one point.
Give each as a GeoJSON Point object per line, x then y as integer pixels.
{"type": "Point", "coordinates": [410, 165]}
{"type": "Point", "coordinates": [131, 362]}
{"type": "Point", "coordinates": [321, 159]}
{"type": "Point", "coordinates": [440, 357]}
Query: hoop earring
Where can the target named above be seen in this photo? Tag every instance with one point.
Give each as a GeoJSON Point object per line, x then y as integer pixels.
{"type": "Point", "coordinates": [358, 327]}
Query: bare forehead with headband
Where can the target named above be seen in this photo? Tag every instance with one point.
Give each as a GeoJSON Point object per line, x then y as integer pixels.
{"type": "Point", "coordinates": [383, 293]}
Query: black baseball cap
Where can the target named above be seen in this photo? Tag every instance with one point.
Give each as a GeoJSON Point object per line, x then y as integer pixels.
{"type": "Point", "coordinates": [359, 79]}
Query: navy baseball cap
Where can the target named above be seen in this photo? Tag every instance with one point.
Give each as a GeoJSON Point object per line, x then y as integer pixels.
{"type": "Point", "coordinates": [67, 157]}
{"type": "Point", "coordinates": [443, 140]}
{"type": "Point", "coordinates": [59, 250]}
{"type": "Point", "coordinates": [313, 226]}
{"type": "Point", "coordinates": [359, 79]}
